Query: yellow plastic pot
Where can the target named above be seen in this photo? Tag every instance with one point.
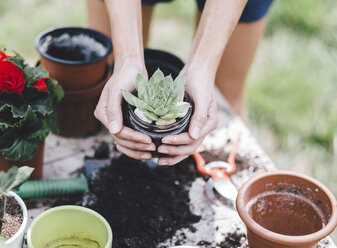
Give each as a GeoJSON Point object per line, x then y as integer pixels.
{"type": "Point", "coordinates": [69, 226]}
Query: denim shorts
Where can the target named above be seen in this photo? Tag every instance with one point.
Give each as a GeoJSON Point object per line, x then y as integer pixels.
{"type": "Point", "coordinates": [253, 11]}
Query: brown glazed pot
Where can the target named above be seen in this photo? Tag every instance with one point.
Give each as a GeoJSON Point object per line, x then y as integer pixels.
{"type": "Point", "coordinates": [36, 162]}
{"type": "Point", "coordinates": [73, 73]}
{"type": "Point", "coordinates": [293, 185]}
{"type": "Point", "coordinates": [75, 112]}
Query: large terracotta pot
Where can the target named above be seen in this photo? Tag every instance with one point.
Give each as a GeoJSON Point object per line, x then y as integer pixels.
{"type": "Point", "coordinates": [75, 112]}
{"type": "Point", "coordinates": [78, 64]}
{"type": "Point", "coordinates": [286, 209]}
{"type": "Point", "coordinates": [36, 162]}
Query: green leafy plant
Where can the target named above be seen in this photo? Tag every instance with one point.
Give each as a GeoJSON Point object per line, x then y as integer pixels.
{"type": "Point", "coordinates": [11, 180]}
{"type": "Point", "coordinates": [160, 99]}
{"type": "Point", "coordinates": [27, 106]}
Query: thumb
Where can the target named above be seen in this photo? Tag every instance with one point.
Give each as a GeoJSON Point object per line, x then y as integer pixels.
{"type": "Point", "coordinates": [114, 112]}
{"type": "Point", "coordinates": [198, 120]}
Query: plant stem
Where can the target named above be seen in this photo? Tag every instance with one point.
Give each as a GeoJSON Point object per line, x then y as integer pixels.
{"type": "Point", "coordinates": [2, 209]}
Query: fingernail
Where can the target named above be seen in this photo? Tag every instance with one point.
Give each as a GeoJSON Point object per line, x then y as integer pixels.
{"type": "Point", "coordinates": [195, 133]}
{"type": "Point", "coordinates": [113, 127]}
{"type": "Point", "coordinates": [162, 162]}
{"type": "Point", "coordinates": [166, 140]}
{"type": "Point", "coordinates": [145, 156]}
{"type": "Point", "coordinates": [162, 150]}
{"type": "Point", "coordinates": [151, 148]}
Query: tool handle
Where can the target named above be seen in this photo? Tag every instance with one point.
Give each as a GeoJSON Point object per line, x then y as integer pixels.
{"type": "Point", "coordinates": [232, 155]}
{"type": "Point", "coordinates": [200, 161]}
{"type": "Point", "coordinates": [56, 187]}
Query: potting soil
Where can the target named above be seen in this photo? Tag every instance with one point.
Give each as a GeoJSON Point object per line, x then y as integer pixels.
{"type": "Point", "coordinates": [12, 219]}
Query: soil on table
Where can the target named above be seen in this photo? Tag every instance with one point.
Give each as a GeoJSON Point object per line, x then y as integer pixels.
{"type": "Point", "coordinates": [12, 219]}
{"type": "Point", "coordinates": [242, 163]}
{"type": "Point", "coordinates": [144, 206]}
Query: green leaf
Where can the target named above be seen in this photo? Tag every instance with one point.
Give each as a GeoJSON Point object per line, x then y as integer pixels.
{"type": "Point", "coordinates": [140, 82]}
{"type": "Point", "coordinates": [180, 81]}
{"type": "Point", "coordinates": [18, 61]}
{"type": "Point", "coordinates": [14, 177]}
{"type": "Point", "coordinates": [170, 116]}
{"type": "Point", "coordinates": [135, 101]}
{"type": "Point", "coordinates": [161, 111]}
{"type": "Point", "coordinates": [158, 75]}
{"type": "Point", "coordinates": [20, 150]}
{"type": "Point", "coordinates": [180, 108]}
{"type": "Point", "coordinates": [22, 174]}
{"type": "Point", "coordinates": [35, 73]}
{"type": "Point", "coordinates": [150, 116]}
{"type": "Point", "coordinates": [55, 90]}
{"type": "Point", "coordinates": [19, 145]}
{"type": "Point", "coordinates": [6, 118]}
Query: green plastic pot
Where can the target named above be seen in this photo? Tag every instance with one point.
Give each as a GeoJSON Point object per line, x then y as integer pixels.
{"type": "Point", "coordinates": [69, 226]}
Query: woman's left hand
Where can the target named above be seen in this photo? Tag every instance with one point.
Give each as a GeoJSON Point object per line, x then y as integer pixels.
{"type": "Point", "coordinates": [200, 87]}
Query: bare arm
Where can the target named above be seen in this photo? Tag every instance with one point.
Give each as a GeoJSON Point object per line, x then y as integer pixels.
{"type": "Point", "coordinates": [217, 23]}
{"type": "Point", "coordinates": [126, 32]}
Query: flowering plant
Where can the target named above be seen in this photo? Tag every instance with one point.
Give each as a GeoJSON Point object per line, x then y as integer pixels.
{"type": "Point", "coordinates": [27, 106]}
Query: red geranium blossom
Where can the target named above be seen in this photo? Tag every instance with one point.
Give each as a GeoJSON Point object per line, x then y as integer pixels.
{"type": "Point", "coordinates": [11, 78]}
{"type": "Point", "coordinates": [41, 85]}
{"type": "Point", "coordinates": [3, 56]}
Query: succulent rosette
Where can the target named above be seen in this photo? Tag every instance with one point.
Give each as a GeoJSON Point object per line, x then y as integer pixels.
{"type": "Point", "coordinates": [27, 106]}
{"type": "Point", "coordinates": [159, 100]}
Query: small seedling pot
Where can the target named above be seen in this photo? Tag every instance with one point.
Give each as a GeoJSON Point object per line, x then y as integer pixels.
{"type": "Point", "coordinates": [70, 64]}
{"type": "Point", "coordinates": [69, 226]}
{"type": "Point", "coordinates": [36, 162]}
{"type": "Point", "coordinates": [286, 209]}
{"type": "Point", "coordinates": [16, 241]}
{"type": "Point", "coordinates": [156, 133]}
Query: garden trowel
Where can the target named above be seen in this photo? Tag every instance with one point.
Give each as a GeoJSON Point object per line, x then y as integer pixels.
{"type": "Point", "coordinates": [219, 186]}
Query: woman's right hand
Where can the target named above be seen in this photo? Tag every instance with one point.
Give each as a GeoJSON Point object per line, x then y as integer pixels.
{"type": "Point", "coordinates": [109, 111]}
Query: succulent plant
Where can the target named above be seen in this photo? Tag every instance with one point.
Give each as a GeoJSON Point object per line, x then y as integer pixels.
{"type": "Point", "coordinates": [160, 99]}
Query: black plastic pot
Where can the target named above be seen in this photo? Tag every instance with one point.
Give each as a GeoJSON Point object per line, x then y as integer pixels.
{"type": "Point", "coordinates": [168, 64]}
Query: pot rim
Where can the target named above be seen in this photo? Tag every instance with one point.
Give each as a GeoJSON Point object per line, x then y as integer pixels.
{"type": "Point", "coordinates": [101, 36]}
{"type": "Point", "coordinates": [165, 128]}
{"type": "Point", "coordinates": [69, 207]}
{"type": "Point", "coordinates": [24, 218]}
{"type": "Point", "coordinates": [280, 238]}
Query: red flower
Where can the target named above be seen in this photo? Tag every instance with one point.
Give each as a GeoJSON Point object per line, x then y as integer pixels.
{"type": "Point", "coordinates": [41, 85]}
{"type": "Point", "coordinates": [11, 78]}
{"type": "Point", "coordinates": [3, 56]}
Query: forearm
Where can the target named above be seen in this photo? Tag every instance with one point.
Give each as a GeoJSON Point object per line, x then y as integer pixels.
{"type": "Point", "coordinates": [216, 25]}
{"type": "Point", "coordinates": [126, 31]}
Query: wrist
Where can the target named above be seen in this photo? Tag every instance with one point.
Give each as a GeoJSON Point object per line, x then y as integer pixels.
{"type": "Point", "coordinates": [128, 62]}
{"type": "Point", "coordinates": [199, 66]}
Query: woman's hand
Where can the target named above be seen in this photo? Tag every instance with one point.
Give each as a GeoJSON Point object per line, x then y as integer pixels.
{"type": "Point", "coordinates": [200, 88]}
{"type": "Point", "coordinates": [109, 111]}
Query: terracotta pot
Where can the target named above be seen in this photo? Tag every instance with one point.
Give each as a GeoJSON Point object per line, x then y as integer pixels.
{"type": "Point", "coordinates": [286, 209]}
{"type": "Point", "coordinates": [36, 162]}
{"type": "Point", "coordinates": [75, 112]}
{"type": "Point", "coordinates": [74, 67]}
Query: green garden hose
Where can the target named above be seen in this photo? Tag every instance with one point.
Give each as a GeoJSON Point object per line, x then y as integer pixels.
{"type": "Point", "coordinates": [55, 187]}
